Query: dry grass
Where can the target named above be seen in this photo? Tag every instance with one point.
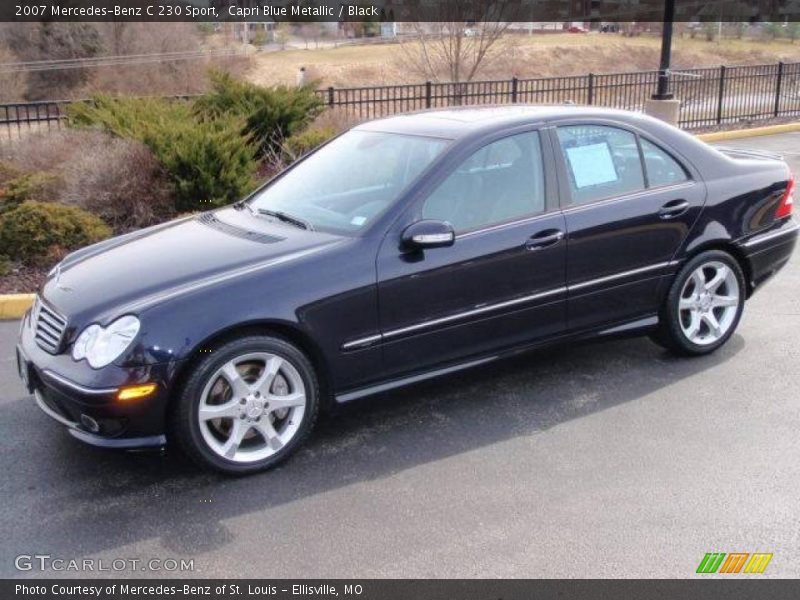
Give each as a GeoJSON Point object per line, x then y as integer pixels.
{"type": "Point", "coordinates": [540, 55]}
{"type": "Point", "coordinates": [165, 77]}
{"type": "Point", "coordinates": [340, 67]}
{"type": "Point", "coordinates": [11, 134]}
{"type": "Point", "coordinates": [12, 85]}
{"type": "Point", "coordinates": [116, 179]}
{"type": "Point", "coordinates": [336, 119]}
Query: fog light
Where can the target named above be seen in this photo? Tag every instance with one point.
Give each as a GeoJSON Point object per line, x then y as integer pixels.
{"type": "Point", "coordinates": [135, 392]}
{"type": "Point", "coordinates": [90, 423]}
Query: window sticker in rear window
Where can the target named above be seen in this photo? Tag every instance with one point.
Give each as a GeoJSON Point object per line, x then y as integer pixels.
{"type": "Point", "coordinates": [591, 164]}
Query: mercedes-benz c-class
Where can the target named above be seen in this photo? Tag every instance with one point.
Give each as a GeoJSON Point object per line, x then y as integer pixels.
{"type": "Point", "coordinates": [406, 248]}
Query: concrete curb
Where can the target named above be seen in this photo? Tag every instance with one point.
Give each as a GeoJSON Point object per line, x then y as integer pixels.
{"type": "Point", "coordinates": [735, 134]}
{"type": "Point", "coordinates": [13, 306]}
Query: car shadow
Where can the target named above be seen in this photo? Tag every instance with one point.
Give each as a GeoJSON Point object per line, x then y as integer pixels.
{"type": "Point", "coordinates": [73, 500]}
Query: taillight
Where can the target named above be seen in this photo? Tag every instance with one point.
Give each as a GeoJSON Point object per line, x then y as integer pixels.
{"type": "Point", "coordinates": [787, 202]}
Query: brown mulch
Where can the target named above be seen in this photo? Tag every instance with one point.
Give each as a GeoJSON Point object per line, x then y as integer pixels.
{"type": "Point", "coordinates": [22, 280]}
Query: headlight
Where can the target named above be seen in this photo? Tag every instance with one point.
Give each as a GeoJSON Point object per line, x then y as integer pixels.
{"type": "Point", "coordinates": [101, 346]}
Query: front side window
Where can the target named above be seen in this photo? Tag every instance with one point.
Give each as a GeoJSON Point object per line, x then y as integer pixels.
{"type": "Point", "coordinates": [601, 162]}
{"type": "Point", "coordinates": [500, 182]}
{"type": "Point", "coordinates": [347, 183]}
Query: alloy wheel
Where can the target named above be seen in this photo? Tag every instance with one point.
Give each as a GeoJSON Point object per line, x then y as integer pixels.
{"type": "Point", "coordinates": [708, 303]}
{"type": "Point", "coordinates": [251, 407]}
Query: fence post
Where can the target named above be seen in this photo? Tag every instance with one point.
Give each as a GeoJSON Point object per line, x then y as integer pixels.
{"type": "Point", "coordinates": [778, 82]}
{"type": "Point", "coordinates": [330, 96]}
{"type": "Point", "coordinates": [721, 97]}
{"type": "Point", "coordinates": [514, 82]}
{"type": "Point", "coordinates": [590, 90]}
{"type": "Point", "coordinates": [427, 94]}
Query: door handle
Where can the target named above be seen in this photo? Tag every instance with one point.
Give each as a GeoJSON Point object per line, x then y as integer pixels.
{"type": "Point", "coordinates": [544, 239]}
{"type": "Point", "coordinates": [672, 209]}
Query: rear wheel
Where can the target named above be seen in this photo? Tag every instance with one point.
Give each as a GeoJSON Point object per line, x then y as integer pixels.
{"type": "Point", "coordinates": [703, 306]}
{"type": "Point", "coordinates": [247, 406]}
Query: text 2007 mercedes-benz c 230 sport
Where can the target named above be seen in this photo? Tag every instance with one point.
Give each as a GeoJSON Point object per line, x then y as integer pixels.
{"type": "Point", "coordinates": [406, 248]}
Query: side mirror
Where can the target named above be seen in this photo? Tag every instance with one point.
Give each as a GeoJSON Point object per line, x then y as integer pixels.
{"type": "Point", "coordinates": [428, 234]}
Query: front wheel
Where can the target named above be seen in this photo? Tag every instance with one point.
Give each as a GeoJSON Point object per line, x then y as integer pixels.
{"type": "Point", "coordinates": [703, 306]}
{"type": "Point", "coordinates": [247, 405]}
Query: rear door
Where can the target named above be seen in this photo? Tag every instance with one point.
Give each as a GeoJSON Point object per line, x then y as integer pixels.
{"type": "Point", "coordinates": [629, 204]}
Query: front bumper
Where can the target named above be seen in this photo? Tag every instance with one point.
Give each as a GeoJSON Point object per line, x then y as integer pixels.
{"type": "Point", "coordinates": [77, 431]}
{"type": "Point", "coordinates": [84, 400]}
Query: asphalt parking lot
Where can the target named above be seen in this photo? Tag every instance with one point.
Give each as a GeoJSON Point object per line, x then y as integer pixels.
{"type": "Point", "coordinates": [610, 459]}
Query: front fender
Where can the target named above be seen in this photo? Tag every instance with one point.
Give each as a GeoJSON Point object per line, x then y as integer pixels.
{"type": "Point", "coordinates": [327, 301]}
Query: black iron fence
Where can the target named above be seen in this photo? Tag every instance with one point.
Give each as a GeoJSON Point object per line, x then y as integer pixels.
{"type": "Point", "coordinates": [21, 118]}
{"type": "Point", "coordinates": [709, 96]}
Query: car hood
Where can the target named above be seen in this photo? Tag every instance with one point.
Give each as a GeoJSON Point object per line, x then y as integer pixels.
{"type": "Point", "coordinates": [129, 273]}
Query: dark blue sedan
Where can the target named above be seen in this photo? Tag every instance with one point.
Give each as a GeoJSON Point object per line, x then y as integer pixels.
{"type": "Point", "coordinates": [404, 249]}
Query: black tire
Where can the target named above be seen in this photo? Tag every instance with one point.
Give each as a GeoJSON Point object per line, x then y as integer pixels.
{"type": "Point", "coordinates": [670, 333]}
{"type": "Point", "coordinates": [184, 423]}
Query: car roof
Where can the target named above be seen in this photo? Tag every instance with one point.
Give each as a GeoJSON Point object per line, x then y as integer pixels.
{"type": "Point", "coordinates": [475, 122]}
{"type": "Point", "coordinates": [453, 123]}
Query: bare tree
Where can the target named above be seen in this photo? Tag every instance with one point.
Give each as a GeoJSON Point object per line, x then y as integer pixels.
{"type": "Point", "coordinates": [283, 32]}
{"type": "Point", "coordinates": [461, 40]}
{"type": "Point", "coordinates": [311, 32]}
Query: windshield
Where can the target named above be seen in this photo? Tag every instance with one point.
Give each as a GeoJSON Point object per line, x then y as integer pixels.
{"type": "Point", "coordinates": [350, 181]}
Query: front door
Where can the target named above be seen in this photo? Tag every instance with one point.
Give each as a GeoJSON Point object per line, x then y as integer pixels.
{"type": "Point", "coordinates": [629, 206]}
{"type": "Point", "coordinates": [503, 280]}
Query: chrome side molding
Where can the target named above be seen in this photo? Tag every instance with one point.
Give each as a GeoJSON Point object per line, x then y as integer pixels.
{"type": "Point", "coordinates": [372, 340]}
{"type": "Point", "coordinates": [622, 275]}
{"type": "Point", "coordinates": [364, 342]}
{"type": "Point", "coordinates": [471, 313]}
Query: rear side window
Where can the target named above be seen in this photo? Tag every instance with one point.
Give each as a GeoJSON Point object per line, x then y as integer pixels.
{"type": "Point", "coordinates": [601, 161]}
{"type": "Point", "coordinates": [662, 169]}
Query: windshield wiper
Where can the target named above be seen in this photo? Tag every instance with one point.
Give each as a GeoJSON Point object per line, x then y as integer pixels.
{"type": "Point", "coordinates": [287, 218]}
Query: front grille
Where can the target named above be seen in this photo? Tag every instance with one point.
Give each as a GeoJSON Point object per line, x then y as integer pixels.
{"type": "Point", "coordinates": [48, 327]}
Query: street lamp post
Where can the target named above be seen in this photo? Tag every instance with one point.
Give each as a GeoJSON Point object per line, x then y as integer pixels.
{"type": "Point", "coordinates": [662, 91]}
